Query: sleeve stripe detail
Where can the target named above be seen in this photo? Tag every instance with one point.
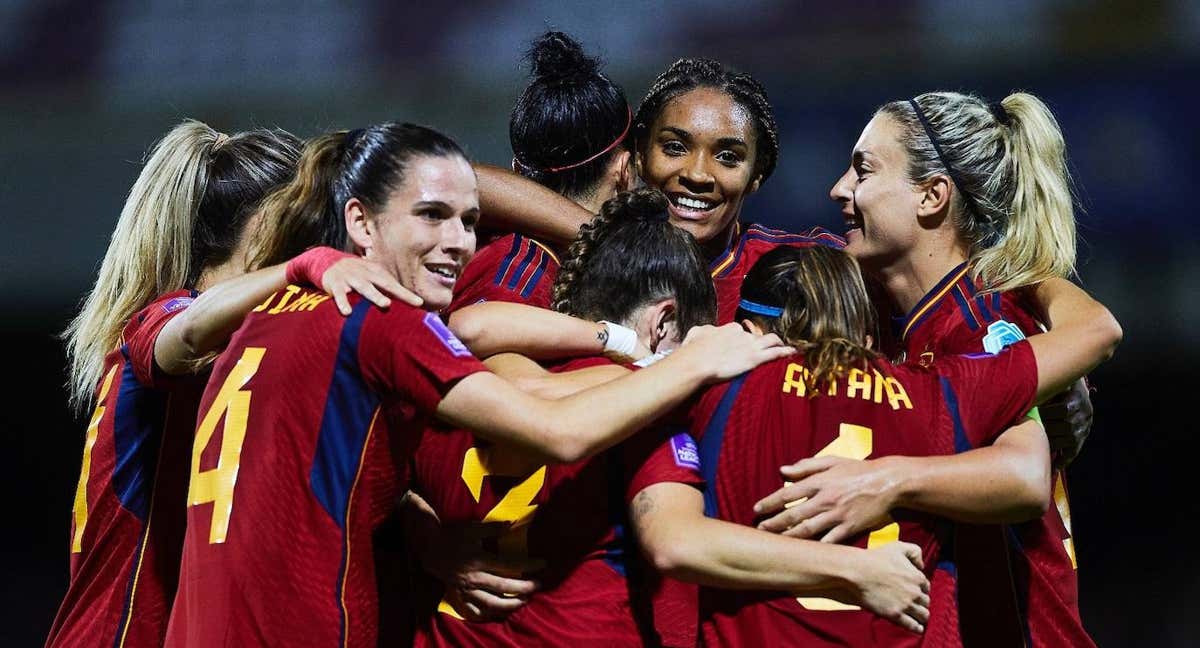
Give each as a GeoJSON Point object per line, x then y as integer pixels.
{"type": "Point", "coordinates": [534, 278]}
{"type": "Point", "coordinates": [504, 265]}
{"type": "Point", "coordinates": [964, 304]}
{"type": "Point", "coordinates": [961, 442]}
{"type": "Point", "coordinates": [515, 276]}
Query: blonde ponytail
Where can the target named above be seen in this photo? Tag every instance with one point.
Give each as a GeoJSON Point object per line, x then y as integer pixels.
{"type": "Point", "coordinates": [150, 252]}
{"type": "Point", "coordinates": [1013, 205]}
{"type": "Point", "coordinates": [1039, 241]}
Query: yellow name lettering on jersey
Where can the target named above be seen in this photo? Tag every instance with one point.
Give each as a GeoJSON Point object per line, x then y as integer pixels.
{"type": "Point", "coordinates": [869, 386]}
{"type": "Point", "coordinates": [283, 302]}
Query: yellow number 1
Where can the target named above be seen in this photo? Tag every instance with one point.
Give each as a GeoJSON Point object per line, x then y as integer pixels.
{"type": "Point", "coordinates": [216, 484]}
{"type": "Point", "coordinates": [853, 442]}
{"type": "Point", "coordinates": [85, 472]}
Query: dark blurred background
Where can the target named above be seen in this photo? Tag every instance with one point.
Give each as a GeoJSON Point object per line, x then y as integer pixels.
{"type": "Point", "coordinates": [87, 86]}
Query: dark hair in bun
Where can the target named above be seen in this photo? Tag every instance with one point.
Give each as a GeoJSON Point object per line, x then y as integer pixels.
{"type": "Point", "coordinates": [631, 255]}
{"type": "Point", "coordinates": [568, 113]}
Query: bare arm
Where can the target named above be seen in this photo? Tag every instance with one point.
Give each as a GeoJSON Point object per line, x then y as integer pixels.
{"type": "Point", "coordinates": [512, 203]}
{"type": "Point", "coordinates": [531, 378]}
{"type": "Point", "coordinates": [681, 542]}
{"type": "Point", "coordinates": [489, 328]}
{"type": "Point", "coordinates": [1083, 333]}
{"type": "Point", "coordinates": [585, 423]}
{"type": "Point", "coordinates": [206, 325]}
{"type": "Point", "coordinates": [835, 498]}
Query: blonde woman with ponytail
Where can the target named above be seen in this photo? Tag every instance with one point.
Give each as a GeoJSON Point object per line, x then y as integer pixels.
{"type": "Point", "coordinates": [138, 353]}
{"type": "Point", "coordinates": [959, 208]}
{"type": "Point", "coordinates": [838, 402]}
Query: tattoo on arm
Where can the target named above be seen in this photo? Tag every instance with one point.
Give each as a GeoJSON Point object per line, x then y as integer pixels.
{"type": "Point", "coordinates": [643, 503]}
{"type": "Point", "coordinates": [602, 336]}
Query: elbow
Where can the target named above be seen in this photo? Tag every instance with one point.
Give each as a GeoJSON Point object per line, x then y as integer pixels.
{"type": "Point", "coordinates": [672, 559]}
{"type": "Point", "coordinates": [467, 328]}
{"type": "Point", "coordinates": [190, 337]}
{"type": "Point", "coordinates": [1110, 333]}
{"type": "Point", "coordinates": [1032, 497]}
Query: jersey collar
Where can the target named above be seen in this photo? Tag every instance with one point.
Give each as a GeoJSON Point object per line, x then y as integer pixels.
{"type": "Point", "coordinates": [927, 303]}
{"type": "Point", "coordinates": [726, 258]}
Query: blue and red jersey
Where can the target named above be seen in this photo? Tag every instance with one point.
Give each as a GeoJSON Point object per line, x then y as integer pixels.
{"type": "Point", "coordinates": [749, 427]}
{"type": "Point", "coordinates": [293, 468]}
{"type": "Point", "coordinates": [511, 268]}
{"type": "Point", "coordinates": [127, 527]}
{"type": "Point", "coordinates": [749, 244]}
{"type": "Point", "coordinates": [571, 516]}
{"type": "Point", "coordinates": [1019, 584]}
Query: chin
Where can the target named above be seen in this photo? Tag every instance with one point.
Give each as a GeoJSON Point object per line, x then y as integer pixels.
{"type": "Point", "coordinates": [435, 299]}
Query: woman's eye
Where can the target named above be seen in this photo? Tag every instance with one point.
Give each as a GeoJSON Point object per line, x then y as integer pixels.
{"type": "Point", "coordinates": [729, 158]}
{"type": "Point", "coordinates": [673, 147]}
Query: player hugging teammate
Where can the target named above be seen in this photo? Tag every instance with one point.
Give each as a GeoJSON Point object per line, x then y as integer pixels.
{"type": "Point", "coordinates": [630, 419]}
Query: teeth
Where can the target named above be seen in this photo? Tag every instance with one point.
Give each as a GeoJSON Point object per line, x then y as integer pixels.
{"type": "Point", "coordinates": [441, 271]}
{"type": "Point", "coordinates": [693, 203]}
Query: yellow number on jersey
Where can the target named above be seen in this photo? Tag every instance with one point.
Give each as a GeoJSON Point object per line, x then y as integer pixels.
{"type": "Point", "coordinates": [216, 484]}
{"type": "Point", "coordinates": [1064, 512]}
{"type": "Point", "coordinates": [515, 508]}
{"type": "Point", "coordinates": [81, 505]}
{"type": "Point", "coordinates": [853, 442]}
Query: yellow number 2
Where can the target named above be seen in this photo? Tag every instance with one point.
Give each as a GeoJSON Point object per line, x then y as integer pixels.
{"type": "Point", "coordinates": [85, 471]}
{"type": "Point", "coordinates": [516, 507]}
{"type": "Point", "coordinates": [216, 484]}
{"type": "Point", "coordinates": [853, 442]}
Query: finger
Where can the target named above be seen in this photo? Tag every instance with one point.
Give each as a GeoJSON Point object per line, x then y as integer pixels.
{"type": "Point", "coordinates": [814, 525]}
{"type": "Point", "coordinates": [838, 534]}
{"type": "Point", "coordinates": [807, 467]}
{"type": "Point", "coordinates": [500, 584]}
{"type": "Point", "coordinates": [371, 293]}
{"type": "Point", "coordinates": [492, 606]}
{"type": "Point", "coordinates": [913, 553]}
{"type": "Point", "coordinates": [908, 623]}
{"type": "Point", "coordinates": [388, 284]}
{"type": "Point", "coordinates": [781, 498]}
{"type": "Point", "coordinates": [781, 522]}
{"type": "Point", "coordinates": [919, 613]}
{"type": "Point", "coordinates": [339, 298]}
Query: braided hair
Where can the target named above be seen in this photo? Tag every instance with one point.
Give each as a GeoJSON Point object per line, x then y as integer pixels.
{"type": "Point", "coordinates": [630, 255]}
{"type": "Point", "coordinates": [567, 115]}
{"type": "Point", "coordinates": [689, 74]}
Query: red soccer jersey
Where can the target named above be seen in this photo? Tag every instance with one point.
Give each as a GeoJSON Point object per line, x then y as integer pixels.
{"type": "Point", "coordinates": [1035, 561]}
{"type": "Point", "coordinates": [572, 516]}
{"type": "Point", "coordinates": [730, 268]}
{"type": "Point", "coordinates": [127, 530]}
{"type": "Point", "coordinates": [292, 469]}
{"type": "Point", "coordinates": [511, 268]}
{"type": "Point", "coordinates": [749, 427]}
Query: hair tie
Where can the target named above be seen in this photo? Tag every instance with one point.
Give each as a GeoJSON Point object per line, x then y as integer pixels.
{"type": "Point", "coordinates": [1000, 113]}
{"type": "Point", "coordinates": [220, 140]}
{"type": "Point", "coordinates": [620, 138]}
{"type": "Point", "coordinates": [760, 309]}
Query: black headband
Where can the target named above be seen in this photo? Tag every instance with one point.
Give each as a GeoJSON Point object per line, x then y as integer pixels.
{"type": "Point", "coordinates": [954, 177]}
{"type": "Point", "coordinates": [1000, 113]}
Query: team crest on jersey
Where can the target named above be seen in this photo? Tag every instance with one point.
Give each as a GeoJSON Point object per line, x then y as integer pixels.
{"type": "Point", "coordinates": [179, 303]}
{"type": "Point", "coordinates": [445, 336]}
{"type": "Point", "coordinates": [1001, 334]}
{"type": "Point", "coordinates": [685, 452]}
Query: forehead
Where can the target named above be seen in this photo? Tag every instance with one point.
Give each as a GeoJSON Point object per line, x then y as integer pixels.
{"type": "Point", "coordinates": [707, 112]}
{"type": "Point", "coordinates": [447, 179]}
{"type": "Point", "coordinates": [881, 139]}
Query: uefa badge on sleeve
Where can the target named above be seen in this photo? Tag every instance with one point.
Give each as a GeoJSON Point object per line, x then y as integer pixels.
{"type": "Point", "coordinates": [1001, 334]}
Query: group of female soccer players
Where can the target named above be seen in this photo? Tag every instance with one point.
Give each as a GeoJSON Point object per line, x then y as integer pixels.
{"type": "Point", "coordinates": [290, 343]}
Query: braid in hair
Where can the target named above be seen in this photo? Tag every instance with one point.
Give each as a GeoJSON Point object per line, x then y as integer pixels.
{"type": "Point", "coordinates": [689, 74]}
{"type": "Point", "coordinates": [570, 272]}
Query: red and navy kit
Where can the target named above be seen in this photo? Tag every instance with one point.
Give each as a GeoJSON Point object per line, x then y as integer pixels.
{"type": "Point", "coordinates": [749, 244]}
{"type": "Point", "coordinates": [749, 427]}
{"type": "Point", "coordinates": [572, 516]}
{"type": "Point", "coordinates": [511, 268]}
{"type": "Point", "coordinates": [293, 468]}
{"type": "Point", "coordinates": [128, 522]}
{"type": "Point", "coordinates": [1018, 582]}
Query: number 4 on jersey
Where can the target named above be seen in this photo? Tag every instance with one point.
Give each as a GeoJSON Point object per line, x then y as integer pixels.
{"type": "Point", "coordinates": [216, 484]}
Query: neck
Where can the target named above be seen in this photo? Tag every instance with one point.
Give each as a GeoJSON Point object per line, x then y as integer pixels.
{"type": "Point", "coordinates": [717, 245]}
{"type": "Point", "coordinates": [213, 275]}
{"type": "Point", "coordinates": [594, 203]}
{"type": "Point", "coordinates": [911, 277]}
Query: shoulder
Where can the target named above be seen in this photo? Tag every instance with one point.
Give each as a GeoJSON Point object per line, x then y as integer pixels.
{"type": "Point", "coordinates": [164, 306]}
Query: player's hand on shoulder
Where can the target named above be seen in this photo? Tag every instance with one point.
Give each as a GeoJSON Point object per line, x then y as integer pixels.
{"type": "Point", "coordinates": [892, 585]}
{"type": "Point", "coordinates": [728, 351]}
{"type": "Point", "coordinates": [367, 278]}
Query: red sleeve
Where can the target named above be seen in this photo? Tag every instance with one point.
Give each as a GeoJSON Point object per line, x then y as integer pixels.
{"type": "Point", "coordinates": [141, 334]}
{"type": "Point", "coordinates": [661, 455]}
{"type": "Point", "coordinates": [408, 352]}
{"type": "Point", "coordinates": [987, 393]}
{"type": "Point", "coordinates": [513, 268]}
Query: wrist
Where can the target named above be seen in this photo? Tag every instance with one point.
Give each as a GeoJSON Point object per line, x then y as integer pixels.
{"type": "Point", "coordinates": [902, 481]}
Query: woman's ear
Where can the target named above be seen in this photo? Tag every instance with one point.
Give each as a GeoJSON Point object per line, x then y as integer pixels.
{"type": "Point", "coordinates": [622, 171]}
{"type": "Point", "coordinates": [359, 226]}
{"type": "Point", "coordinates": [753, 327]}
{"type": "Point", "coordinates": [935, 198]}
{"type": "Point", "coordinates": [754, 184]}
